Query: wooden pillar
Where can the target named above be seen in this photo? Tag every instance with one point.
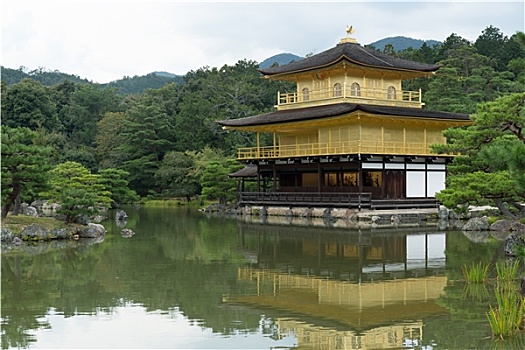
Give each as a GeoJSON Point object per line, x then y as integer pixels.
{"type": "Point", "coordinates": [319, 177]}
{"type": "Point", "coordinates": [274, 144]}
{"type": "Point", "coordinates": [295, 175]}
{"type": "Point", "coordinates": [383, 183]}
{"type": "Point", "coordinates": [274, 175]}
{"type": "Point", "coordinates": [258, 179]}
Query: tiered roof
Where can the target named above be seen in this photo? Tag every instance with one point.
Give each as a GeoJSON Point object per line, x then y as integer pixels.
{"type": "Point", "coordinates": [348, 50]}
{"type": "Point", "coordinates": [353, 53]}
{"type": "Point", "coordinates": [334, 110]}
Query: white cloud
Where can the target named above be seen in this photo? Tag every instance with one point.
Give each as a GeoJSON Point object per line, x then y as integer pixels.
{"type": "Point", "coordinates": [105, 41]}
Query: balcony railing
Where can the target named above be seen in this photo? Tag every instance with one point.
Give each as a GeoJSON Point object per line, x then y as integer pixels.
{"type": "Point", "coordinates": [385, 97]}
{"type": "Point", "coordinates": [347, 199]}
{"type": "Point", "coordinates": [335, 148]}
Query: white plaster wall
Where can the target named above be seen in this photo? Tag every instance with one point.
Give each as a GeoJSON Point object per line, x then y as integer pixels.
{"type": "Point", "coordinates": [435, 183]}
{"type": "Point", "coordinates": [415, 184]}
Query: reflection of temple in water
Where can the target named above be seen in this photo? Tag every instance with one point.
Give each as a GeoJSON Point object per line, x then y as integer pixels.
{"type": "Point", "coordinates": [389, 337]}
{"type": "Point", "coordinates": [351, 255]}
{"type": "Point", "coordinates": [345, 291]}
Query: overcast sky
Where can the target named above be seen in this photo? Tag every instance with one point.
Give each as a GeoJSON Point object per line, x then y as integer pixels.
{"type": "Point", "coordinates": [104, 41]}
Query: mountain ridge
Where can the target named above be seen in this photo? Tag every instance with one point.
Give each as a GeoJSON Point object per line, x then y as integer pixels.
{"type": "Point", "coordinates": [157, 79]}
{"type": "Point", "coordinates": [401, 43]}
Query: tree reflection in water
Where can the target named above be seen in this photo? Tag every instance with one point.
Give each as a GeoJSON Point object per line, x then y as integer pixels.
{"type": "Point", "coordinates": [232, 278]}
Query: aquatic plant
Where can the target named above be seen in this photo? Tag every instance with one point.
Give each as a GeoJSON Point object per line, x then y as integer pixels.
{"type": "Point", "coordinates": [507, 317]}
{"type": "Point", "coordinates": [507, 272]}
{"type": "Point", "coordinates": [475, 273]}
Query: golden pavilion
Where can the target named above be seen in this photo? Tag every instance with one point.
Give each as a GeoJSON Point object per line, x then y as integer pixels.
{"type": "Point", "coordinates": [349, 136]}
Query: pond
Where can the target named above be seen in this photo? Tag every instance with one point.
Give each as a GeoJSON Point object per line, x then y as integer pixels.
{"type": "Point", "coordinates": [187, 280]}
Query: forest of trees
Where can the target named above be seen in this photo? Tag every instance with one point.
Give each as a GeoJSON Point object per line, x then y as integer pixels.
{"type": "Point", "coordinates": [164, 142]}
{"type": "Point", "coordinates": [125, 85]}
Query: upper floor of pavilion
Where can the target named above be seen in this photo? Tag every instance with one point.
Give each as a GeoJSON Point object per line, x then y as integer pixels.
{"type": "Point", "coordinates": [350, 73]}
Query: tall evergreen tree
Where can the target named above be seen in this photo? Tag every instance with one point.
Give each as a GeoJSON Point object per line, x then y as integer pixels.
{"type": "Point", "coordinates": [175, 175]}
{"type": "Point", "coordinates": [29, 104]}
{"type": "Point", "coordinates": [115, 182]}
{"type": "Point", "coordinates": [78, 191]}
{"type": "Point", "coordinates": [87, 106]}
{"type": "Point", "coordinates": [216, 183]}
{"type": "Point", "coordinates": [499, 48]}
{"type": "Point", "coordinates": [148, 134]}
{"type": "Point", "coordinates": [492, 168]}
{"type": "Point", "coordinates": [108, 140]}
{"type": "Point", "coordinates": [24, 166]}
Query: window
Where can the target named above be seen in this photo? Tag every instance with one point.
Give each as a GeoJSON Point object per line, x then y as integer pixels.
{"type": "Point", "coordinates": [355, 89]}
{"type": "Point", "coordinates": [391, 93]}
{"type": "Point", "coordinates": [341, 179]}
{"type": "Point", "coordinates": [373, 178]}
{"type": "Point", "coordinates": [306, 94]}
{"type": "Point", "coordinates": [337, 90]}
{"type": "Point", "coordinates": [350, 178]}
{"type": "Point", "coordinates": [331, 179]}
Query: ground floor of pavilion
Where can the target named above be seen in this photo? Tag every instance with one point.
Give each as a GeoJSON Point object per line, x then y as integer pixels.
{"type": "Point", "coordinates": [353, 181]}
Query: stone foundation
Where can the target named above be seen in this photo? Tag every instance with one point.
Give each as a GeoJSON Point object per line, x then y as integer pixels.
{"type": "Point", "coordinates": [341, 217]}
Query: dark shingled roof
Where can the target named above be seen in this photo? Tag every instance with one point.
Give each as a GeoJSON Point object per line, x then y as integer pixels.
{"type": "Point", "coordinates": [249, 170]}
{"type": "Point", "coordinates": [354, 53]}
{"type": "Point", "coordinates": [333, 110]}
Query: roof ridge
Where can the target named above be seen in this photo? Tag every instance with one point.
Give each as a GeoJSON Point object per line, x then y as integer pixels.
{"type": "Point", "coordinates": [369, 53]}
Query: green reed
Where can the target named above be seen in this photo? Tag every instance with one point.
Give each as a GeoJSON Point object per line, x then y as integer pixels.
{"type": "Point", "coordinates": [507, 317]}
{"type": "Point", "coordinates": [475, 273]}
{"type": "Point", "coordinates": [507, 271]}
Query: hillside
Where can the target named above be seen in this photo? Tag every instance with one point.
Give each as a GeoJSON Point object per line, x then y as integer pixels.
{"type": "Point", "coordinates": [138, 84]}
{"type": "Point", "coordinates": [126, 85]}
{"type": "Point", "coordinates": [45, 77]}
{"type": "Point", "coordinates": [280, 59]}
{"type": "Point", "coordinates": [401, 43]}
{"type": "Point", "coordinates": [155, 80]}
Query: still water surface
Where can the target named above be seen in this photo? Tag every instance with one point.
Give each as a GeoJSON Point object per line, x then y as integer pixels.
{"type": "Point", "coordinates": [190, 281]}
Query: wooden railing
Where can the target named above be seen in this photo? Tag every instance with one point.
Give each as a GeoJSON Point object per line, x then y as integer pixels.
{"type": "Point", "coordinates": [355, 200]}
{"type": "Point", "coordinates": [334, 199]}
{"type": "Point", "coordinates": [375, 96]}
{"type": "Point", "coordinates": [335, 148]}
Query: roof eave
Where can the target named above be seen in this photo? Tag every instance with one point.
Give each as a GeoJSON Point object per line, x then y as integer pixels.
{"type": "Point", "coordinates": [348, 59]}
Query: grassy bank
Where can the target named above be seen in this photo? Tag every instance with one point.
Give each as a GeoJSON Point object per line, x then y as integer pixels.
{"type": "Point", "coordinates": [175, 203]}
{"type": "Point", "coordinates": [16, 223]}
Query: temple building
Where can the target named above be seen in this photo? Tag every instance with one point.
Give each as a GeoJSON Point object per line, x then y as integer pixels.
{"type": "Point", "coordinates": [349, 136]}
